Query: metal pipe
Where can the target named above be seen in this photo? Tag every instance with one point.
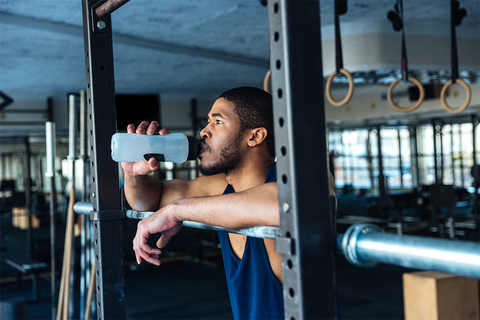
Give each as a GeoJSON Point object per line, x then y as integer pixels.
{"type": "Point", "coordinates": [400, 164]}
{"type": "Point", "coordinates": [460, 152]}
{"type": "Point", "coordinates": [267, 232]}
{"type": "Point", "coordinates": [28, 197]}
{"type": "Point", "coordinates": [50, 173]}
{"type": "Point", "coordinates": [365, 245]}
{"type": "Point", "coordinates": [435, 153]}
{"type": "Point", "coordinates": [381, 178]}
{"type": "Point", "coordinates": [452, 158]}
{"type": "Point", "coordinates": [83, 238]}
{"type": "Point", "coordinates": [414, 156]}
{"type": "Point", "coordinates": [109, 7]}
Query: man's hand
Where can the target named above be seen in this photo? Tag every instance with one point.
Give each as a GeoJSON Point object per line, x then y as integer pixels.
{"type": "Point", "coordinates": [141, 168]}
{"type": "Point", "coordinates": [163, 221]}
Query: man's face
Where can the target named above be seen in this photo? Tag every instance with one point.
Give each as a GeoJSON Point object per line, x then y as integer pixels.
{"type": "Point", "coordinates": [220, 151]}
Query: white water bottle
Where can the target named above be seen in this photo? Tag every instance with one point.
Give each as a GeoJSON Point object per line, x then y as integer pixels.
{"type": "Point", "coordinates": [175, 147]}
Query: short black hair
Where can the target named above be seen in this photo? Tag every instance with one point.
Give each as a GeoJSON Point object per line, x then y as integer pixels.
{"type": "Point", "coordinates": [254, 108]}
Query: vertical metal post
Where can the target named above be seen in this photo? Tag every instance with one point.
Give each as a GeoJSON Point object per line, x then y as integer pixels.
{"type": "Point", "coordinates": [442, 160]}
{"type": "Point", "coordinates": [72, 156]}
{"type": "Point", "coordinates": [3, 176]}
{"type": "Point", "coordinates": [414, 156]}
{"type": "Point", "coordinates": [307, 241]}
{"type": "Point", "coordinates": [400, 165]}
{"type": "Point", "coordinates": [452, 158]}
{"type": "Point", "coordinates": [437, 129]}
{"type": "Point", "coordinates": [460, 154]}
{"type": "Point", "coordinates": [195, 127]}
{"type": "Point", "coordinates": [50, 173]}
{"type": "Point", "coordinates": [381, 178]}
{"type": "Point", "coordinates": [475, 171]}
{"type": "Point", "coordinates": [28, 197]}
{"type": "Point", "coordinates": [107, 214]}
{"type": "Point", "coordinates": [83, 151]}
{"type": "Point", "coordinates": [369, 160]}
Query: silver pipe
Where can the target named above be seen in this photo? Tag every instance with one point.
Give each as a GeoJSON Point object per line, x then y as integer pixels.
{"type": "Point", "coordinates": [72, 128]}
{"type": "Point", "coordinates": [50, 147]}
{"type": "Point", "coordinates": [366, 245]}
{"type": "Point", "coordinates": [267, 232]}
{"type": "Point", "coordinates": [50, 144]}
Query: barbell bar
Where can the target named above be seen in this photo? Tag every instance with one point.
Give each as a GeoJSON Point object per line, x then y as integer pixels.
{"type": "Point", "coordinates": [366, 245]}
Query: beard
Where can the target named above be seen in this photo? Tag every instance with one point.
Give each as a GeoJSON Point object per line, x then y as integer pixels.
{"type": "Point", "coordinates": [230, 158]}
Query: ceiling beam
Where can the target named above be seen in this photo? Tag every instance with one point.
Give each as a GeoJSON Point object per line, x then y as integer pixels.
{"type": "Point", "coordinates": [74, 30]}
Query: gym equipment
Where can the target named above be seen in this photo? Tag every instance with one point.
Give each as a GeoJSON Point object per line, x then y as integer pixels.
{"type": "Point", "coordinates": [50, 173]}
{"type": "Point", "coordinates": [340, 8]}
{"type": "Point", "coordinates": [266, 81]}
{"type": "Point", "coordinates": [398, 24]}
{"type": "Point", "coordinates": [456, 16]}
{"type": "Point", "coordinates": [6, 100]}
{"type": "Point", "coordinates": [28, 266]}
{"type": "Point", "coordinates": [64, 292]}
{"type": "Point", "coordinates": [366, 245]}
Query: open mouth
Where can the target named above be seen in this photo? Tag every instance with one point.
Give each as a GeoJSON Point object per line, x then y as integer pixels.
{"type": "Point", "coordinates": [202, 147]}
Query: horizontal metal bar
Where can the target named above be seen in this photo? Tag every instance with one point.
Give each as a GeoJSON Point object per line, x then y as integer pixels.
{"type": "Point", "coordinates": [267, 232]}
{"type": "Point", "coordinates": [24, 111]}
{"type": "Point", "coordinates": [365, 245]}
{"type": "Point", "coordinates": [22, 123]}
{"type": "Point", "coordinates": [109, 7]}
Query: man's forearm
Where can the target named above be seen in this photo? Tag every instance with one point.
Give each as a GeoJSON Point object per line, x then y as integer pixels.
{"type": "Point", "coordinates": [143, 192]}
{"type": "Point", "coordinates": [254, 207]}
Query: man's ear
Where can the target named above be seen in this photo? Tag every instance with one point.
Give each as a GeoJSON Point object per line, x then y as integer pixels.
{"type": "Point", "coordinates": [256, 136]}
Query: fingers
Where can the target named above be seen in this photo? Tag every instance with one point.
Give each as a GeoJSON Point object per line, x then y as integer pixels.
{"type": "Point", "coordinates": [143, 250]}
{"type": "Point", "coordinates": [163, 241]}
{"type": "Point", "coordinates": [148, 128]}
{"type": "Point", "coordinates": [164, 131]}
{"type": "Point", "coordinates": [153, 164]}
{"type": "Point", "coordinates": [130, 128]}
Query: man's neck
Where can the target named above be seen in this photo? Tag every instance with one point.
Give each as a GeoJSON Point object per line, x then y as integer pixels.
{"type": "Point", "coordinates": [249, 175]}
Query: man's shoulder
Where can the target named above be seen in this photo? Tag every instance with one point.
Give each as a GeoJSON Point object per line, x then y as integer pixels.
{"type": "Point", "coordinates": [211, 185]}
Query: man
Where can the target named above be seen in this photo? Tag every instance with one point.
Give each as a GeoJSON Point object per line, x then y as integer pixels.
{"type": "Point", "coordinates": [237, 190]}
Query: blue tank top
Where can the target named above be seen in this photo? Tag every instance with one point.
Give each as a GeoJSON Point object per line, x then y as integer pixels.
{"type": "Point", "coordinates": [255, 292]}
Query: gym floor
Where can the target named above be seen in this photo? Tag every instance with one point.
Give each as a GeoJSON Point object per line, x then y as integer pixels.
{"type": "Point", "coordinates": [185, 289]}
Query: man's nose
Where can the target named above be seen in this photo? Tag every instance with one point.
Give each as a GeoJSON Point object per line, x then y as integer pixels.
{"type": "Point", "coordinates": [205, 132]}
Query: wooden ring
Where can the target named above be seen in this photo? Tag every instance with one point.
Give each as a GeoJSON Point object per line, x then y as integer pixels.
{"type": "Point", "coordinates": [266, 80]}
{"type": "Point", "coordinates": [350, 88]}
{"type": "Point", "coordinates": [416, 105]}
{"type": "Point", "coordinates": [467, 100]}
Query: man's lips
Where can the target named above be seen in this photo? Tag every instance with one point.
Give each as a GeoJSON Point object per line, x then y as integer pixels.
{"type": "Point", "coordinates": [203, 147]}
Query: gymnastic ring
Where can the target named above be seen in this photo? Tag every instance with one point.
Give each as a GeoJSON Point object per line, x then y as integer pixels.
{"type": "Point", "coordinates": [350, 88]}
{"type": "Point", "coordinates": [467, 101]}
{"type": "Point", "coordinates": [266, 80]}
{"type": "Point", "coordinates": [416, 105]}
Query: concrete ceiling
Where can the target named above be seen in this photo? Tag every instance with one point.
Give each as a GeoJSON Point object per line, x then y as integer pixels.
{"type": "Point", "coordinates": [196, 48]}
{"type": "Point", "coordinates": [224, 42]}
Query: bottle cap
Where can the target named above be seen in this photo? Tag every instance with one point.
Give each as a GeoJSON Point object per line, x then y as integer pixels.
{"type": "Point", "coordinates": [192, 148]}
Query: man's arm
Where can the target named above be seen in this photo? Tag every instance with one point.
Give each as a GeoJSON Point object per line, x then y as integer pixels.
{"type": "Point", "coordinates": [253, 207]}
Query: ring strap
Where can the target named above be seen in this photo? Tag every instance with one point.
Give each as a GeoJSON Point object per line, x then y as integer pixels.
{"type": "Point", "coordinates": [338, 38]}
{"type": "Point", "coordinates": [453, 41]}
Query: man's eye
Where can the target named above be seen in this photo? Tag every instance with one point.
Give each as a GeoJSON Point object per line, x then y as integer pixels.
{"type": "Point", "coordinates": [219, 121]}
